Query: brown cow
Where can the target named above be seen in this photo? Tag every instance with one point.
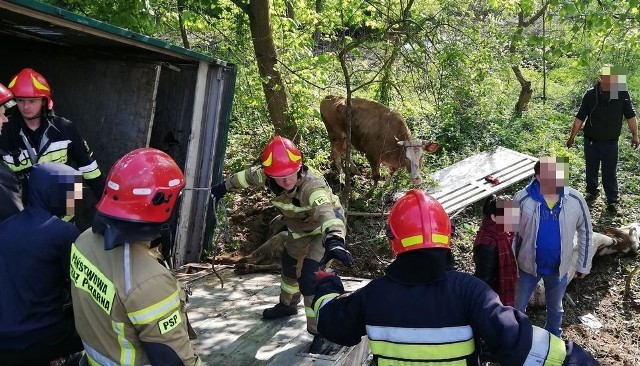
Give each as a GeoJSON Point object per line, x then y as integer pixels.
{"type": "Point", "coordinates": [378, 132]}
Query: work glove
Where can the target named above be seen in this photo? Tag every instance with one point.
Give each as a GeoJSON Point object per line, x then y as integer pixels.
{"type": "Point", "coordinates": [218, 191]}
{"type": "Point", "coordinates": [334, 249]}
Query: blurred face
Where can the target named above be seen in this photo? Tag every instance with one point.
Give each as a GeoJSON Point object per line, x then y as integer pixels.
{"type": "Point", "coordinates": [507, 215]}
{"type": "Point", "coordinates": [3, 118]}
{"type": "Point", "coordinates": [287, 182]}
{"type": "Point", "coordinates": [553, 174]}
{"type": "Point", "coordinates": [72, 197]}
{"type": "Point", "coordinates": [30, 108]}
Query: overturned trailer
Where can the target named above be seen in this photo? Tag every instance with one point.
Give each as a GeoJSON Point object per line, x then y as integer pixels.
{"type": "Point", "coordinates": [125, 90]}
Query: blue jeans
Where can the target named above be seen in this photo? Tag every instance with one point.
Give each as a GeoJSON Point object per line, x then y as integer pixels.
{"type": "Point", "coordinates": [554, 287]}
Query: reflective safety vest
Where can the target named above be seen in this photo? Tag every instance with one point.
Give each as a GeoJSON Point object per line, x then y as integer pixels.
{"type": "Point", "coordinates": [129, 309]}
{"type": "Point", "coordinates": [310, 208]}
{"type": "Point", "coordinates": [60, 142]}
{"type": "Point", "coordinates": [432, 324]}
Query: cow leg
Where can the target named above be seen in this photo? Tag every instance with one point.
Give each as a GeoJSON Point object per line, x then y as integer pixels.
{"type": "Point", "coordinates": [336, 155]}
{"type": "Point", "coordinates": [375, 169]}
{"type": "Point", "coordinates": [353, 167]}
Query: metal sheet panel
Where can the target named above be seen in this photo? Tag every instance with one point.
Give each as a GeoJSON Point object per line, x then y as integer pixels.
{"type": "Point", "coordinates": [464, 183]}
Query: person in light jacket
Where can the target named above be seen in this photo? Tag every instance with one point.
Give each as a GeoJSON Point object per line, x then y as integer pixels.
{"type": "Point", "coordinates": [551, 214]}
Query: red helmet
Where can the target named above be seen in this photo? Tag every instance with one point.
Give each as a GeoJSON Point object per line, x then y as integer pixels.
{"type": "Point", "coordinates": [142, 186]}
{"type": "Point", "coordinates": [418, 221]}
{"type": "Point", "coordinates": [6, 97]}
{"type": "Point", "coordinates": [30, 84]}
{"type": "Point", "coordinates": [281, 158]}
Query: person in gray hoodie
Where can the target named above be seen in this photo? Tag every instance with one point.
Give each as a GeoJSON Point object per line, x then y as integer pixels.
{"type": "Point", "coordinates": [551, 214]}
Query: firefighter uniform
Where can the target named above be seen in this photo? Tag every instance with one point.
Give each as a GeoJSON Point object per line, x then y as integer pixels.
{"type": "Point", "coordinates": [312, 214]}
{"type": "Point", "coordinates": [129, 308]}
{"type": "Point", "coordinates": [57, 139]}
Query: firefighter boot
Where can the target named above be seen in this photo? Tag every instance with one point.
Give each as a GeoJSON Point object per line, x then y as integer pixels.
{"type": "Point", "coordinates": [279, 310]}
{"type": "Point", "coordinates": [322, 346]}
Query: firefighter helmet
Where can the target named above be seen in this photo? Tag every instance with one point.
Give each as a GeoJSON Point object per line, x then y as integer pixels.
{"type": "Point", "coordinates": [6, 97]}
{"type": "Point", "coordinates": [142, 186]}
{"type": "Point", "coordinates": [281, 158]}
{"type": "Point", "coordinates": [418, 221]}
{"type": "Point", "coordinates": [28, 83]}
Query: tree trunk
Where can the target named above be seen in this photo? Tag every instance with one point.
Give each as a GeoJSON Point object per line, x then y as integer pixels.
{"type": "Point", "coordinates": [316, 32]}
{"type": "Point", "coordinates": [183, 31]}
{"type": "Point", "coordinates": [266, 57]}
{"type": "Point", "coordinates": [525, 92]}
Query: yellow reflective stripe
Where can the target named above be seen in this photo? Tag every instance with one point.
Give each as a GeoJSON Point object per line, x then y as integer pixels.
{"type": "Point", "coordinates": [88, 278]}
{"type": "Point", "coordinates": [290, 289]}
{"type": "Point", "coordinates": [198, 362]}
{"type": "Point", "coordinates": [412, 240]}
{"type": "Point", "coordinates": [242, 178]}
{"type": "Point", "coordinates": [290, 207]}
{"type": "Point", "coordinates": [90, 171]}
{"type": "Point", "coordinates": [302, 235]}
{"type": "Point", "coordinates": [323, 300]}
{"type": "Point", "coordinates": [58, 156]}
{"type": "Point", "coordinates": [309, 312]}
{"type": "Point", "coordinates": [546, 349]}
{"type": "Point", "coordinates": [319, 197]}
{"type": "Point", "coordinates": [92, 175]}
{"type": "Point", "coordinates": [423, 352]}
{"type": "Point", "coordinates": [155, 311]}
{"type": "Point", "coordinates": [67, 218]}
{"type": "Point", "coordinates": [329, 223]}
{"type": "Point", "coordinates": [557, 352]}
{"type": "Point", "coordinates": [91, 361]}
{"type": "Point", "coordinates": [439, 238]}
{"type": "Point", "coordinates": [23, 162]}
{"type": "Point", "coordinates": [127, 350]}
{"type": "Point", "coordinates": [390, 362]}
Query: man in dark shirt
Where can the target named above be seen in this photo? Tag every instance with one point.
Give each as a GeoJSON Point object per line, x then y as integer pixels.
{"type": "Point", "coordinates": [601, 113]}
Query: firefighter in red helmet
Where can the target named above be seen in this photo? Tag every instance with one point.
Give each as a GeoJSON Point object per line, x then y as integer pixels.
{"type": "Point", "coordinates": [424, 312]}
{"type": "Point", "coordinates": [10, 192]}
{"type": "Point", "coordinates": [34, 134]}
{"type": "Point", "coordinates": [315, 223]}
{"type": "Point", "coordinates": [128, 307]}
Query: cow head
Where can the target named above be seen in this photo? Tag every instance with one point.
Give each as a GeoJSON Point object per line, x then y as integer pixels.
{"type": "Point", "coordinates": [413, 150]}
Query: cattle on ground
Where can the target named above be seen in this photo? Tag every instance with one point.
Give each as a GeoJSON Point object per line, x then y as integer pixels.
{"type": "Point", "coordinates": [378, 132]}
{"type": "Point", "coordinates": [267, 258]}
{"type": "Point", "coordinates": [617, 240]}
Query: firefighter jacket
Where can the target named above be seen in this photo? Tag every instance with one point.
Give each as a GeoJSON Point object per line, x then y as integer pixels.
{"type": "Point", "coordinates": [412, 317]}
{"type": "Point", "coordinates": [128, 307]}
{"type": "Point", "coordinates": [57, 139]}
{"type": "Point", "coordinates": [34, 263]}
{"type": "Point", "coordinates": [10, 197]}
{"type": "Point", "coordinates": [309, 209]}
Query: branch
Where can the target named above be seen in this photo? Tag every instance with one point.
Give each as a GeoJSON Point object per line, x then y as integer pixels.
{"type": "Point", "coordinates": [534, 17]}
{"type": "Point", "coordinates": [301, 77]}
{"type": "Point", "coordinates": [242, 5]}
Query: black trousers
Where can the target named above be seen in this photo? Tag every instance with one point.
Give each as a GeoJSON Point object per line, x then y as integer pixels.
{"type": "Point", "coordinates": [605, 154]}
{"type": "Point", "coordinates": [65, 343]}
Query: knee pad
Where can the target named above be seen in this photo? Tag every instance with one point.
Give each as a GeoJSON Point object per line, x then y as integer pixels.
{"type": "Point", "coordinates": [288, 265]}
{"type": "Point", "coordinates": [307, 280]}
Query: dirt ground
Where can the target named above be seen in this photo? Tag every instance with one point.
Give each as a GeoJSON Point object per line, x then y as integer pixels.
{"type": "Point", "coordinates": [616, 342]}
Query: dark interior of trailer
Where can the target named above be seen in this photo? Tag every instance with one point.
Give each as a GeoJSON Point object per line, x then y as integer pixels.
{"type": "Point", "coordinates": [120, 96]}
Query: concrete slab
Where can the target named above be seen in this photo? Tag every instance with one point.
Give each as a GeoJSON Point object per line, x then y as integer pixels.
{"type": "Point", "coordinates": [231, 331]}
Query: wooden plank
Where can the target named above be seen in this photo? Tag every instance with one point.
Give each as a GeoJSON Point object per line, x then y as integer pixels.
{"type": "Point", "coordinates": [231, 332]}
